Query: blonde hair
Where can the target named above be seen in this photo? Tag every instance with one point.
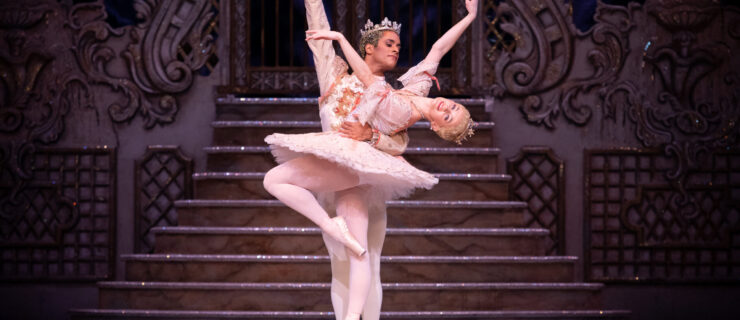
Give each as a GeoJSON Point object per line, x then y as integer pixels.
{"type": "Point", "coordinates": [459, 132]}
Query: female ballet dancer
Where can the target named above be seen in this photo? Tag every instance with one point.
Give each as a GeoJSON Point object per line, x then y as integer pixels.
{"type": "Point", "coordinates": [330, 163]}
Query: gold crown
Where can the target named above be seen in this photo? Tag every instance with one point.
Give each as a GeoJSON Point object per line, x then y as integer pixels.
{"type": "Point", "coordinates": [467, 133]}
{"type": "Point", "coordinates": [384, 25]}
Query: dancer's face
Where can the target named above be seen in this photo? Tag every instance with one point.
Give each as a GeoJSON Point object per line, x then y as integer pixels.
{"type": "Point", "coordinates": [445, 113]}
{"type": "Point", "coordinates": [385, 54]}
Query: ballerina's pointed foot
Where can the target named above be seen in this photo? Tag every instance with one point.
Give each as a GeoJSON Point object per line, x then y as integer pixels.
{"type": "Point", "coordinates": [346, 238]}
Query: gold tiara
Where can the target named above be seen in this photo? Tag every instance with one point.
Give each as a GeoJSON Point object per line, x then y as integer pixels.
{"type": "Point", "coordinates": [467, 133]}
{"type": "Point", "coordinates": [384, 25]}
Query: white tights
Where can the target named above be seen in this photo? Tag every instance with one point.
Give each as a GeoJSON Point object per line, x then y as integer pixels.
{"type": "Point", "coordinates": [292, 183]}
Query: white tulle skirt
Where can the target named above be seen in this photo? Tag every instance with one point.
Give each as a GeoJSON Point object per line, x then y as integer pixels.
{"type": "Point", "coordinates": [390, 177]}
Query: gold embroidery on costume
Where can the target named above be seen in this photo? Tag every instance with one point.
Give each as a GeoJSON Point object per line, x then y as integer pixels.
{"type": "Point", "coordinates": [341, 100]}
{"type": "Point", "coordinates": [345, 104]}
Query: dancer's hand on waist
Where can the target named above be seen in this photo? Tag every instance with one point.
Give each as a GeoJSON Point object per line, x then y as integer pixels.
{"type": "Point", "coordinates": [355, 130]}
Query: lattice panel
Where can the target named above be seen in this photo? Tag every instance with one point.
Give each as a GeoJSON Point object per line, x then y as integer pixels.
{"type": "Point", "coordinates": [641, 228]}
{"type": "Point", "coordinates": [60, 223]}
{"type": "Point", "coordinates": [163, 176]}
{"type": "Point", "coordinates": [537, 179]}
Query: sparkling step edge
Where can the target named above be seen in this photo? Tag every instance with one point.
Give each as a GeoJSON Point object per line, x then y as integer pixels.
{"type": "Point", "coordinates": [410, 150]}
{"type": "Point", "coordinates": [389, 231]}
{"type": "Point", "coordinates": [200, 203]}
{"type": "Point", "coordinates": [198, 314]}
{"type": "Point", "coordinates": [231, 100]}
{"type": "Point", "coordinates": [330, 314]}
{"type": "Point", "coordinates": [313, 124]}
{"type": "Point", "coordinates": [441, 176]}
{"type": "Point", "coordinates": [325, 258]}
{"type": "Point", "coordinates": [315, 286]}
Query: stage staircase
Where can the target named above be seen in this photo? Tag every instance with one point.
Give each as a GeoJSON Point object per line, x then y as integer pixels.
{"type": "Point", "coordinates": [458, 251]}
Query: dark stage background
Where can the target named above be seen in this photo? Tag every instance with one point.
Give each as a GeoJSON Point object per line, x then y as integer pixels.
{"type": "Point", "coordinates": [617, 121]}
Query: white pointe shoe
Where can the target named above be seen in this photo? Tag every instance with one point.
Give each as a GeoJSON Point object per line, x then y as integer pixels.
{"type": "Point", "coordinates": [352, 316]}
{"type": "Point", "coordinates": [346, 238]}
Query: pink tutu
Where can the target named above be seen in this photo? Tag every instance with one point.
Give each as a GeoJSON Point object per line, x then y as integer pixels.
{"type": "Point", "coordinates": [391, 177]}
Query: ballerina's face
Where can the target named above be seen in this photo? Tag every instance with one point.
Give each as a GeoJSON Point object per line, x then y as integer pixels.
{"type": "Point", "coordinates": [445, 113]}
{"type": "Point", "coordinates": [386, 52]}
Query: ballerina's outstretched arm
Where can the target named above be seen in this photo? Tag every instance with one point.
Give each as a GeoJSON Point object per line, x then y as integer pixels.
{"type": "Point", "coordinates": [359, 67]}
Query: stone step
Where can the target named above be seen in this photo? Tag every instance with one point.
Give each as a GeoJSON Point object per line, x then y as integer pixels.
{"type": "Point", "coordinates": [402, 213]}
{"type": "Point", "coordinates": [259, 159]}
{"type": "Point", "coordinates": [230, 108]}
{"type": "Point", "coordinates": [308, 241]}
{"type": "Point", "coordinates": [315, 296]}
{"type": "Point", "coordinates": [451, 186]}
{"type": "Point", "coordinates": [253, 133]}
{"type": "Point", "coordinates": [138, 314]}
{"type": "Point", "coordinates": [311, 268]}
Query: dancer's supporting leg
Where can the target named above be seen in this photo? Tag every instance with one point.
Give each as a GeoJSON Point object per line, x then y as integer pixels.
{"type": "Point", "coordinates": [293, 181]}
{"type": "Point", "coordinates": [375, 237]}
{"type": "Point", "coordinates": [352, 205]}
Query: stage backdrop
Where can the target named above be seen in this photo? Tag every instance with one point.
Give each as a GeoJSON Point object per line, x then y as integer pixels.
{"type": "Point", "coordinates": [618, 122]}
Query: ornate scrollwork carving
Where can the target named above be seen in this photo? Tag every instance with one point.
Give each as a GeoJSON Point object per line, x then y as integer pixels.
{"type": "Point", "coordinates": [55, 59]}
{"type": "Point", "coordinates": [38, 90]}
{"type": "Point", "coordinates": [534, 66]}
{"type": "Point", "coordinates": [152, 55]}
{"type": "Point", "coordinates": [671, 113]}
{"type": "Point", "coordinates": [156, 64]}
{"type": "Point", "coordinates": [544, 57]}
{"type": "Point", "coordinates": [681, 98]}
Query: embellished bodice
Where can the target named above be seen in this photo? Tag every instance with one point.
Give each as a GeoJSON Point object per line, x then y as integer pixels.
{"type": "Point", "coordinates": [386, 109]}
{"type": "Point", "coordinates": [339, 101]}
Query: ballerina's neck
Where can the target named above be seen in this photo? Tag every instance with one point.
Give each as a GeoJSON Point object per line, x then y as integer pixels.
{"type": "Point", "coordinates": [417, 108]}
{"type": "Point", "coordinates": [420, 106]}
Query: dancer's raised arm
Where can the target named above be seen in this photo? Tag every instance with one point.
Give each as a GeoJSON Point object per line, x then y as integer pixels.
{"type": "Point", "coordinates": [323, 50]}
{"type": "Point", "coordinates": [447, 41]}
{"type": "Point", "coordinates": [359, 67]}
